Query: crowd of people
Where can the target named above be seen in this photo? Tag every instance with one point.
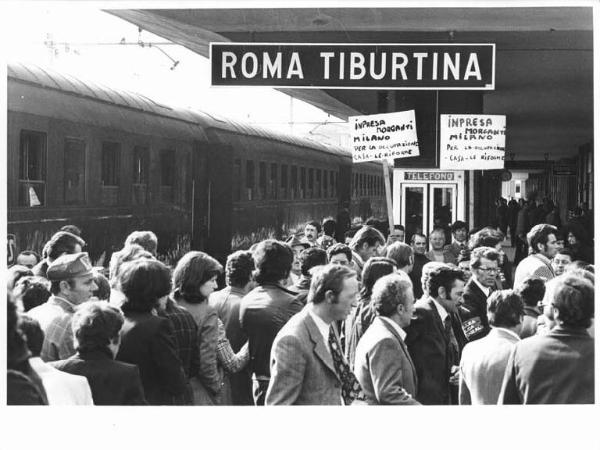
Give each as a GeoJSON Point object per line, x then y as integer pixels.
{"type": "Point", "coordinates": [360, 317]}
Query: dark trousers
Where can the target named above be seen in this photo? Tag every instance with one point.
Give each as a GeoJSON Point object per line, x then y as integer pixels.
{"type": "Point", "coordinates": [260, 391]}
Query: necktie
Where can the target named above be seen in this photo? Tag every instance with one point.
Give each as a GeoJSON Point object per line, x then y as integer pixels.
{"type": "Point", "coordinates": [350, 385]}
{"type": "Point", "coordinates": [451, 341]}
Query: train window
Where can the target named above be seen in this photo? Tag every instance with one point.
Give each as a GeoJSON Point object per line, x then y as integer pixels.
{"type": "Point", "coordinates": [249, 179]}
{"type": "Point", "coordinates": [355, 186]}
{"type": "Point", "coordinates": [318, 184]}
{"type": "Point", "coordinates": [326, 183]}
{"type": "Point", "coordinates": [262, 180]}
{"type": "Point", "coordinates": [32, 169]}
{"type": "Point", "coordinates": [273, 181]}
{"type": "Point", "coordinates": [167, 175]}
{"type": "Point", "coordinates": [335, 184]}
{"type": "Point", "coordinates": [237, 176]}
{"type": "Point", "coordinates": [74, 171]}
{"type": "Point", "coordinates": [294, 183]}
{"type": "Point", "coordinates": [284, 181]}
{"type": "Point", "coordinates": [331, 184]}
{"type": "Point", "coordinates": [302, 182]}
{"type": "Point", "coordinates": [110, 163]}
{"type": "Point", "coordinates": [311, 183]}
{"type": "Point", "coordinates": [141, 169]}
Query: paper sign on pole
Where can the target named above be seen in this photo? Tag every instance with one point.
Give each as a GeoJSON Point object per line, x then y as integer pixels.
{"type": "Point", "coordinates": [472, 142]}
{"type": "Point", "coordinates": [384, 136]}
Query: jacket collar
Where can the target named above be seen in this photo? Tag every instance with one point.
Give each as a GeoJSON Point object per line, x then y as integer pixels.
{"type": "Point", "coordinates": [62, 303]}
{"type": "Point", "coordinates": [568, 331]}
{"type": "Point", "coordinates": [505, 334]}
{"type": "Point", "coordinates": [100, 353]}
{"type": "Point", "coordinates": [267, 286]}
{"type": "Point", "coordinates": [319, 346]}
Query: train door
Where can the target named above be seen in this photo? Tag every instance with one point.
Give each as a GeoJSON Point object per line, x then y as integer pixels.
{"type": "Point", "coordinates": [424, 199]}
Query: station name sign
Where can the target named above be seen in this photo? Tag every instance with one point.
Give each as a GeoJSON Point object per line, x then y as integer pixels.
{"type": "Point", "coordinates": [354, 66]}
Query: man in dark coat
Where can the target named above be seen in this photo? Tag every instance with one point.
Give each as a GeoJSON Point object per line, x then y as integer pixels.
{"type": "Point", "coordinates": [435, 338]}
{"type": "Point", "coordinates": [266, 309]}
{"type": "Point", "coordinates": [556, 368]}
{"type": "Point", "coordinates": [96, 326]}
{"type": "Point", "coordinates": [418, 242]}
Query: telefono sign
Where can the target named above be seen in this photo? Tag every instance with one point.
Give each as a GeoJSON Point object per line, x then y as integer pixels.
{"type": "Point", "coordinates": [354, 66]}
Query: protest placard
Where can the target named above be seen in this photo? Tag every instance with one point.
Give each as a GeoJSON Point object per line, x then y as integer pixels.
{"type": "Point", "coordinates": [384, 136]}
{"type": "Point", "coordinates": [472, 142]}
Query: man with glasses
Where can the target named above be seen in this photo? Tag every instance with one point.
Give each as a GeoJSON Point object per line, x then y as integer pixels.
{"type": "Point", "coordinates": [484, 268]}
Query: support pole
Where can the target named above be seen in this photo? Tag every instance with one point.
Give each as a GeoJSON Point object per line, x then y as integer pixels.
{"type": "Point", "coordinates": [388, 192]}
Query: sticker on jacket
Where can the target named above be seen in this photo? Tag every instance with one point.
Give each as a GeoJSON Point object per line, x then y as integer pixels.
{"type": "Point", "coordinates": [472, 326]}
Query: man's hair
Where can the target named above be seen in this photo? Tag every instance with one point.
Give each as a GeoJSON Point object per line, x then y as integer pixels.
{"type": "Point", "coordinates": [146, 239]}
{"type": "Point", "coordinates": [328, 278]}
{"type": "Point", "coordinates": [273, 261]}
{"type": "Point", "coordinates": [486, 237]}
{"type": "Point", "coordinates": [61, 242]}
{"type": "Point", "coordinates": [15, 273]}
{"type": "Point", "coordinates": [504, 308]}
{"type": "Point", "coordinates": [399, 227]}
{"type": "Point", "coordinates": [38, 258]}
{"type": "Point", "coordinates": [126, 254]}
{"type": "Point", "coordinates": [458, 225]}
{"type": "Point", "coordinates": [143, 282]}
{"type": "Point", "coordinates": [573, 297]}
{"type": "Point", "coordinates": [315, 224]}
{"type": "Point", "coordinates": [373, 270]}
{"type": "Point", "coordinates": [32, 291]}
{"type": "Point", "coordinates": [437, 230]}
{"type": "Point", "coordinates": [368, 235]}
{"type": "Point", "coordinates": [310, 258]}
{"type": "Point", "coordinates": [483, 252]}
{"type": "Point", "coordinates": [95, 325]}
{"type": "Point", "coordinates": [531, 290]}
{"type": "Point", "coordinates": [388, 292]}
{"type": "Point", "coordinates": [421, 235]}
{"type": "Point", "coordinates": [103, 290]}
{"type": "Point", "coordinates": [329, 226]}
{"type": "Point", "coordinates": [442, 276]}
{"type": "Point", "coordinates": [191, 272]}
{"type": "Point", "coordinates": [566, 252]}
{"type": "Point", "coordinates": [238, 268]}
{"type": "Point", "coordinates": [401, 253]}
{"type": "Point", "coordinates": [539, 235]}
{"type": "Point", "coordinates": [73, 229]}
{"type": "Point", "coordinates": [339, 248]}
{"type": "Point", "coordinates": [34, 335]}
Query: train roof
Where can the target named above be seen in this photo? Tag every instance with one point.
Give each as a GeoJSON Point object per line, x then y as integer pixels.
{"type": "Point", "coordinates": [49, 79]}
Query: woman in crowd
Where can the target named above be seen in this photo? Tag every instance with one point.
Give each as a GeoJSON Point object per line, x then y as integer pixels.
{"type": "Point", "coordinates": [147, 340]}
{"type": "Point", "coordinates": [194, 279]}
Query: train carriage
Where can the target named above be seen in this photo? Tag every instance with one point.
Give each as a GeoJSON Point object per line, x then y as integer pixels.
{"type": "Point", "coordinates": [111, 162]}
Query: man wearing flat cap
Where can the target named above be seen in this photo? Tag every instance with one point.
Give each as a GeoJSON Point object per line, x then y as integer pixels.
{"type": "Point", "coordinates": [72, 283]}
{"type": "Point", "coordinates": [298, 247]}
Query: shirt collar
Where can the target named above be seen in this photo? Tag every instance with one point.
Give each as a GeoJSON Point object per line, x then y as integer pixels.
{"type": "Point", "coordinates": [441, 310]}
{"type": "Point", "coordinates": [321, 325]}
{"type": "Point", "coordinates": [506, 330]}
{"type": "Point", "coordinates": [395, 326]}
{"type": "Point", "coordinates": [485, 290]}
{"type": "Point", "coordinates": [64, 303]}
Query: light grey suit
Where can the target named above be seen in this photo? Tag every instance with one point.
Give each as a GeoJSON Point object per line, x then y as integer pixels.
{"type": "Point", "coordinates": [384, 367]}
{"type": "Point", "coordinates": [302, 370]}
{"type": "Point", "coordinates": [482, 367]}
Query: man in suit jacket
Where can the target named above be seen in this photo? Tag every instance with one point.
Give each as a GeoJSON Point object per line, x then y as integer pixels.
{"type": "Point", "coordinates": [556, 368]}
{"type": "Point", "coordinates": [418, 242]}
{"type": "Point", "coordinates": [382, 364]}
{"type": "Point", "coordinates": [307, 363]}
{"type": "Point", "coordinates": [484, 267]}
{"type": "Point", "coordinates": [483, 362]}
{"type": "Point", "coordinates": [435, 338]}
{"type": "Point", "coordinates": [438, 252]}
{"type": "Point", "coordinates": [96, 327]}
{"type": "Point", "coordinates": [460, 232]}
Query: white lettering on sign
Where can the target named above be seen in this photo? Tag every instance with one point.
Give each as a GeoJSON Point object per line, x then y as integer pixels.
{"type": "Point", "coordinates": [472, 142]}
{"type": "Point", "coordinates": [428, 176]}
{"type": "Point", "coordinates": [384, 136]}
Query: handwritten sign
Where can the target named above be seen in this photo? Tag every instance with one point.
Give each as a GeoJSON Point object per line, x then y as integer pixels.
{"type": "Point", "coordinates": [384, 136]}
{"type": "Point", "coordinates": [472, 142]}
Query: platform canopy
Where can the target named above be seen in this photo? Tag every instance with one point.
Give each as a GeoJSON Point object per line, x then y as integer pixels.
{"type": "Point", "coordinates": [544, 57]}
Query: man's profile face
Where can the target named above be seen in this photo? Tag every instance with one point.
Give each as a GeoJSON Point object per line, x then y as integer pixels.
{"type": "Point", "coordinates": [420, 245]}
{"type": "Point", "coordinates": [457, 291]}
{"type": "Point", "coordinates": [310, 232]}
{"type": "Point", "coordinates": [346, 299]}
{"type": "Point", "coordinates": [81, 289]}
{"type": "Point", "coordinates": [551, 247]}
